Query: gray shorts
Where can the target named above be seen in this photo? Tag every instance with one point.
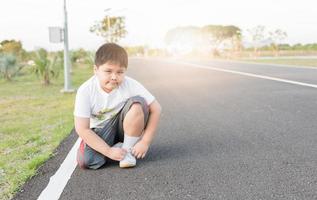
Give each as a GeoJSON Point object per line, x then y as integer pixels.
{"type": "Point", "coordinates": [111, 133]}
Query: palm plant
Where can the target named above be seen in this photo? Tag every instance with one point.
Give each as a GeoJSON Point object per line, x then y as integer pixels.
{"type": "Point", "coordinates": [45, 67]}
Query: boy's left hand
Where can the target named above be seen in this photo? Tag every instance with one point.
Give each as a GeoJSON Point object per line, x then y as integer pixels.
{"type": "Point", "coordinates": [139, 150]}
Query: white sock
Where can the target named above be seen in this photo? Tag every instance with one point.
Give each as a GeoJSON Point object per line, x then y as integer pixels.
{"type": "Point", "coordinates": [129, 141]}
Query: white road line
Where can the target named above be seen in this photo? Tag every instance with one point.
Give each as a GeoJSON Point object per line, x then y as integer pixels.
{"type": "Point", "coordinates": [59, 180]}
{"type": "Point", "coordinates": [268, 64]}
{"type": "Point", "coordinates": [250, 74]}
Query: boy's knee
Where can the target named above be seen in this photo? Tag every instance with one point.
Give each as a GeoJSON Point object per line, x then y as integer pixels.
{"type": "Point", "coordinates": [136, 109]}
{"type": "Point", "coordinates": [138, 105]}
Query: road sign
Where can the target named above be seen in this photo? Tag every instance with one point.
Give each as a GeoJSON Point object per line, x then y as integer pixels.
{"type": "Point", "coordinates": [56, 34]}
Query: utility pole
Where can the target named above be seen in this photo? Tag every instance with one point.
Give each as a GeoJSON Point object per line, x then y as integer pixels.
{"type": "Point", "coordinates": [67, 64]}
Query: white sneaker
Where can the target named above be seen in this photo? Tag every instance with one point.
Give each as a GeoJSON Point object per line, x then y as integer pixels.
{"type": "Point", "coordinates": [128, 161]}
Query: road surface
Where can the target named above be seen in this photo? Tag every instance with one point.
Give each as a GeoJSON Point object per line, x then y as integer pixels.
{"type": "Point", "coordinates": [222, 135]}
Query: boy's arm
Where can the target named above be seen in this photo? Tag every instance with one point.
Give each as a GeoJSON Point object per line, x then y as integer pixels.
{"type": "Point", "coordinates": [142, 146]}
{"type": "Point", "coordinates": [95, 142]}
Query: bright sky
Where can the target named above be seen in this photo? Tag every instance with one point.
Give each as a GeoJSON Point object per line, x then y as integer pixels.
{"type": "Point", "coordinates": [147, 21]}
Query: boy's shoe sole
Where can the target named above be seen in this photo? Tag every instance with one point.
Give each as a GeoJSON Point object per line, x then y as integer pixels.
{"type": "Point", "coordinates": [126, 165]}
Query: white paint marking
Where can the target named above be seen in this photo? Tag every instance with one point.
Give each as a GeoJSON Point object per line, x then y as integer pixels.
{"type": "Point", "coordinates": [59, 180]}
{"type": "Point", "coordinates": [268, 64]}
{"type": "Point", "coordinates": [251, 75]}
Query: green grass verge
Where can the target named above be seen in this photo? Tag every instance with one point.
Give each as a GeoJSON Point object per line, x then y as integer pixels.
{"type": "Point", "coordinates": [34, 120]}
{"type": "Point", "coordinates": [283, 61]}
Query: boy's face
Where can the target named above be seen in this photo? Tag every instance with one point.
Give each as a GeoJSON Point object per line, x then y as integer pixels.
{"type": "Point", "coordinates": [110, 75]}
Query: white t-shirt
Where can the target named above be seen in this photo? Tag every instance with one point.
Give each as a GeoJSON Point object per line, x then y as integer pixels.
{"type": "Point", "coordinates": [94, 103]}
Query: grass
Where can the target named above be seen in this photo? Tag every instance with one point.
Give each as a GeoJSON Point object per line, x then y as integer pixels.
{"type": "Point", "coordinates": [286, 61]}
{"type": "Point", "coordinates": [34, 120]}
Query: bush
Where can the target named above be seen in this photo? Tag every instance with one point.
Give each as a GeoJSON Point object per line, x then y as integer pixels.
{"type": "Point", "coordinates": [9, 66]}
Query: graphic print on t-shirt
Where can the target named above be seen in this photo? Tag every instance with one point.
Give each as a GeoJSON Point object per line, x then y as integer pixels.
{"type": "Point", "coordinates": [105, 113]}
{"type": "Point", "coordinates": [101, 114]}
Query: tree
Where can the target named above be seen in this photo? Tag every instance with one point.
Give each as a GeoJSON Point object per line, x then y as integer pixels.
{"type": "Point", "coordinates": [45, 67]}
{"type": "Point", "coordinates": [110, 28]}
{"type": "Point", "coordinates": [257, 35]}
{"type": "Point", "coordinates": [217, 35]}
{"type": "Point", "coordinates": [236, 41]}
{"type": "Point", "coordinates": [277, 36]}
{"type": "Point", "coordinates": [11, 47]}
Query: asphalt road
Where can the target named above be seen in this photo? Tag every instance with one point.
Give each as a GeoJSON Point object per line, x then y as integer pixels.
{"type": "Point", "coordinates": [221, 136]}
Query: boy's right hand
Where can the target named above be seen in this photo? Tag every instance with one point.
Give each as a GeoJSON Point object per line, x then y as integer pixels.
{"type": "Point", "coordinates": [116, 153]}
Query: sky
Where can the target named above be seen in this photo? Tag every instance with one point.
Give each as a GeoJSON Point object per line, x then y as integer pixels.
{"type": "Point", "coordinates": [147, 21]}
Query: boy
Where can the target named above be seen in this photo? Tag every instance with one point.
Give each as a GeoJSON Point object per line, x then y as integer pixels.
{"type": "Point", "coordinates": [111, 107]}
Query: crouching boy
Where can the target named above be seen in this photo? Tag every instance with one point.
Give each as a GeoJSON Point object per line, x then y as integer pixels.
{"type": "Point", "coordinates": [115, 116]}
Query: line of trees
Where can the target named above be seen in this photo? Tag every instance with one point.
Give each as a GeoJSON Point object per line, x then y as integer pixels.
{"type": "Point", "coordinates": [217, 38]}
{"type": "Point", "coordinates": [15, 61]}
{"type": "Point", "coordinates": [259, 34]}
{"type": "Point", "coordinates": [288, 47]}
{"type": "Point", "coordinates": [207, 38]}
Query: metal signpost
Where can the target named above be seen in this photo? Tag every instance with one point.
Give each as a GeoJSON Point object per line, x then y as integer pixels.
{"type": "Point", "coordinates": [58, 35]}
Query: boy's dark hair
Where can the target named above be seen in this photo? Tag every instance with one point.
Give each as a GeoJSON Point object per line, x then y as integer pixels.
{"type": "Point", "coordinates": [113, 53]}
